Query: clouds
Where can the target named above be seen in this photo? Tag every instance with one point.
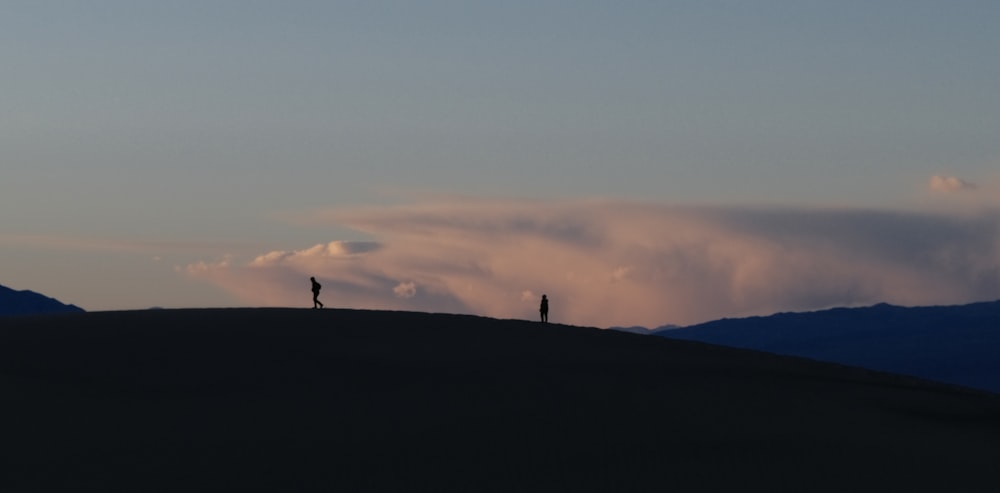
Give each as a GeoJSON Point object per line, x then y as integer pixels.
{"type": "Point", "coordinates": [334, 249]}
{"type": "Point", "coordinates": [625, 263]}
{"type": "Point", "coordinates": [405, 289]}
{"type": "Point", "coordinates": [949, 184]}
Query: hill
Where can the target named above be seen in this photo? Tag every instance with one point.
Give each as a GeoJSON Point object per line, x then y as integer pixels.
{"type": "Point", "coordinates": [345, 400]}
{"type": "Point", "coordinates": [13, 302]}
{"type": "Point", "coordinates": [953, 344]}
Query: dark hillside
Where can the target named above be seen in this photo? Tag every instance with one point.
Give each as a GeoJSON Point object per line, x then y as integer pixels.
{"type": "Point", "coordinates": [342, 400]}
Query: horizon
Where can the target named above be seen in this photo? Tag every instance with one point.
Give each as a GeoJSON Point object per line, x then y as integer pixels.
{"type": "Point", "coordinates": [641, 164]}
{"type": "Point", "coordinates": [649, 329]}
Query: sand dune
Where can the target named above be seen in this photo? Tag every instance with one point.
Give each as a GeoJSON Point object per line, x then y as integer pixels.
{"type": "Point", "coordinates": [347, 400]}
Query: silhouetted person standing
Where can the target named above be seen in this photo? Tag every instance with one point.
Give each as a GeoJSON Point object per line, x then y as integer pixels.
{"type": "Point", "coordinates": [544, 308]}
{"type": "Point", "coordinates": [315, 288]}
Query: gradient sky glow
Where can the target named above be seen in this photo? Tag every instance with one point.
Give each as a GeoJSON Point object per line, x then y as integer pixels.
{"type": "Point", "coordinates": [639, 162]}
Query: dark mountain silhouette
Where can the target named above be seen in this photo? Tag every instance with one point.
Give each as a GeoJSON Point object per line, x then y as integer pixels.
{"type": "Point", "coordinates": [347, 400]}
{"type": "Point", "coordinates": [26, 302]}
{"type": "Point", "coordinates": [635, 329]}
{"type": "Point", "coordinates": [954, 344]}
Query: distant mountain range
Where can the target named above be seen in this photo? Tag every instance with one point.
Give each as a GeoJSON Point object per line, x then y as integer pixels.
{"type": "Point", "coordinates": [635, 329]}
{"type": "Point", "coordinates": [952, 344]}
{"type": "Point", "coordinates": [13, 302]}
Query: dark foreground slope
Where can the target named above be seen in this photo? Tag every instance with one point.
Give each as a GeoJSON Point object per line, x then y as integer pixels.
{"type": "Point", "coordinates": [337, 400]}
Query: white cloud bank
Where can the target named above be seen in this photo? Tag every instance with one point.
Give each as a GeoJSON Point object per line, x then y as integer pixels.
{"type": "Point", "coordinates": [606, 263]}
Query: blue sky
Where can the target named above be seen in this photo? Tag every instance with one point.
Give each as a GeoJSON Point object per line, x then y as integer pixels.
{"type": "Point", "coordinates": [140, 140]}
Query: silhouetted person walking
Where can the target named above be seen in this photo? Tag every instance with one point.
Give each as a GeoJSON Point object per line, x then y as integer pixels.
{"type": "Point", "coordinates": [315, 288]}
{"type": "Point", "coordinates": [544, 308]}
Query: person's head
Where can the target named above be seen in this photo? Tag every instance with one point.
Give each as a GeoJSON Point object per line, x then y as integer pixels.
{"type": "Point", "coordinates": [312, 278]}
{"type": "Point", "coordinates": [545, 297]}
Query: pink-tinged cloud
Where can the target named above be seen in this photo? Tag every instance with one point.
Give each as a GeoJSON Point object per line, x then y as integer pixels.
{"type": "Point", "coordinates": [949, 184]}
{"type": "Point", "coordinates": [605, 263]}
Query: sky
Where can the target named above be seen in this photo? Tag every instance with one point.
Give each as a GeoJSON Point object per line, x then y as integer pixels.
{"type": "Point", "coordinates": [641, 163]}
